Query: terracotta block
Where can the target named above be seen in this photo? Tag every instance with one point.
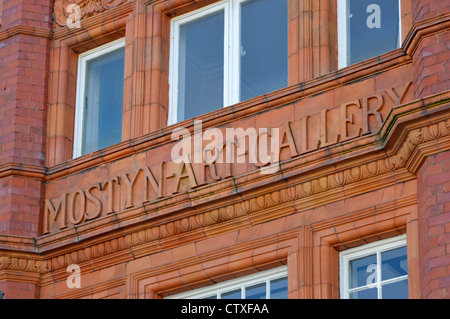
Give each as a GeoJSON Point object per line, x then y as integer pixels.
{"type": "Point", "coordinates": [161, 258]}
{"type": "Point", "coordinates": [216, 243]}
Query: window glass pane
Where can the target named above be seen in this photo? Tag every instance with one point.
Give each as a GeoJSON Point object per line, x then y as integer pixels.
{"type": "Point", "coordinates": [201, 66]}
{"type": "Point", "coordinates": [362, 271]}
{"type": "Point", "coordinates": [396, 290]}
{"type": "Point", "coordinates": [103, 101]}
{"type": "Point", "coordinates": [365, 294]}
{"type": "Point", "coordinates": [394, 263]}
{"type": "Point", "coordinates": [211, 297]}
{"type": "Point", "coordinates": [279, 289]}
{"type": "Point", "coordinates": [235, 294]}
{"type": "Point", "coordinates": [373, 28]}
{"type": "Point", "coordinates": [263, 47]}
{"type": "Point", "coordinates": [256, 291]}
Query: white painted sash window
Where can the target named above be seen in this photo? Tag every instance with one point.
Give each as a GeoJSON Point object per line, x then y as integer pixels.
{"type": "Point", "coordinates": [225, 53]}
{"type": "Point", "coordinates": [367, 28]}
{"type": "Point", "coordinates": [375, 271]}
{"type": "Point", "coordinates": [99, 105]}
{"type": "Point", "coordinates": [271, 284]}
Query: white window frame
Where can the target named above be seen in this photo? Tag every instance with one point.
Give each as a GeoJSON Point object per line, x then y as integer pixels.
{"type": "Point", "coordinates": [342, 14]}
{"type": "Point", "coordinates": [81, 82]}
{"type": "Point", "coordinates": [234, 284]}
{"type": "Point", "coordinates": [232, 26]}
{"type": "Point", "coordinates": [378, 247]}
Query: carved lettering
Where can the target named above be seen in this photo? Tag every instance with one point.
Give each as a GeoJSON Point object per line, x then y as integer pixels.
{"type": "Point", "coordinates": [184, 171]}
{"type": "Point", "coordinates": [305, 148]}
{"type": "Point", "coordinates": [97, 203]}
{"type": "Point", "coordinates": [345, 119]}
{"type": "Point", "coordinates": [156, 185]}
{"type": "Point", "coordinates": [72, 213]}
{"type": "Point", "coordinates": [375, 112]}
{"type": "Point", "coordinates": [109, 186]}
{"type": "Point", "coordinates": [239, 135]}
{"type": "Point", "coordinates": [398, 98]}
{"type": "Point", "coordinates": [129, 185]}
{"type": "Point", "coordinates": [53, 212]}
{"type": "Point", "coordinates": [268, 155]}
{"type": "Point", "coordinates": [287, 140]}
{"type": "Point", "coordinates": [327, 127]}
{"type": "Point", "coordinates": [323, 130]}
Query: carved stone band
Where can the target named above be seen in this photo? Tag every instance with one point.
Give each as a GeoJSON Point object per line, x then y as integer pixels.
{"type": "Point", "coordinates": [88, 8]}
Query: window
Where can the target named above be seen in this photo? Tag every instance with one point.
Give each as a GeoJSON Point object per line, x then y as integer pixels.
{"type": "Point", "coordinates": [225, 53]}
{"type": "Point", "coordinates": [375, 271]}
{"type": "Point", "coordinates": [271, 284]}
{"type": "Point", "coordinates": [98, 118]}
{"type": "Point", "coordinates": [367, 28]}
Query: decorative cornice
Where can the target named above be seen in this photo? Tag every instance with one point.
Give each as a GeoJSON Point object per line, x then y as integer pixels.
{"type": "Point", "coordinates": [23, 170]}
{"type": "Point", "coordinates": [88, 8]}
{"type": "Point", "coordinates": [417, 137]}
{"type": "Point", "coordinates": [23, 264]}
{"type": "Point", "coordinates": [25, 30]}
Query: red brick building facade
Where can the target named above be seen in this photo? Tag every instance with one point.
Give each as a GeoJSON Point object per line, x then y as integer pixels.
{"type": "Point", "coordinates": [364, 159]}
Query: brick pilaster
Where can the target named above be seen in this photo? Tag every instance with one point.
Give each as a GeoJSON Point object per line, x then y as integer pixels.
{"type": "Point", "coordinates": [434, 226]}
{"type": "Point", "coordinates": [24, 62]}
{"type": "Point", "coordinates": [432, 56]}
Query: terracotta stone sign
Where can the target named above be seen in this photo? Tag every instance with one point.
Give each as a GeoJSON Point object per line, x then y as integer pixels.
{"type": "Point", "coordinates": [137, 184]}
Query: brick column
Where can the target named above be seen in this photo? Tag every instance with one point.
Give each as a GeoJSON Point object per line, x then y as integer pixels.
{"type": "Point", "coordinates": [24, 50]}
{"type": "Point", "coordinates": [25, 34]}
{"type": "Point", "coordinates": [430, 59]}
{"type": "Point", "coordinates": [434, 226]}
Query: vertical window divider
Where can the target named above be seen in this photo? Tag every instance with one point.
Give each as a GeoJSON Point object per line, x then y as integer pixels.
{"type": "Point", "coordinates": [342, 35]}
{"type": "Point", "coordinates": [228, 53]}
{"type": "Point", "coordinates": [80, 108]}
{"type": "Point", "coordinates": [379, 274]}
{"type": "Point", "coordinates": [173, 74]}
{"type": "Point", "coordinates": [235, 51]}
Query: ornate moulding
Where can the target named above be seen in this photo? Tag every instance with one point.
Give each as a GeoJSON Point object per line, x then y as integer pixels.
{"type": "Point", "coordinates": [88, 8]}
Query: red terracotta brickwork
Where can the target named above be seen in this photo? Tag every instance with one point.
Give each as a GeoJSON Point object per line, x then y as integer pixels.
{"type": "Point", "coordinates": [432, 56]}
{"type": "Point", "coordinates": [432, 67]}
{"type": "Point", "coordinates": [19, 290]}
{"type": "Point", "coordinates": [434, 221]}
{"type": "Point", "coordinates": [24, 53]}
{"type": "Point", "coordinates": [426, 9]}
